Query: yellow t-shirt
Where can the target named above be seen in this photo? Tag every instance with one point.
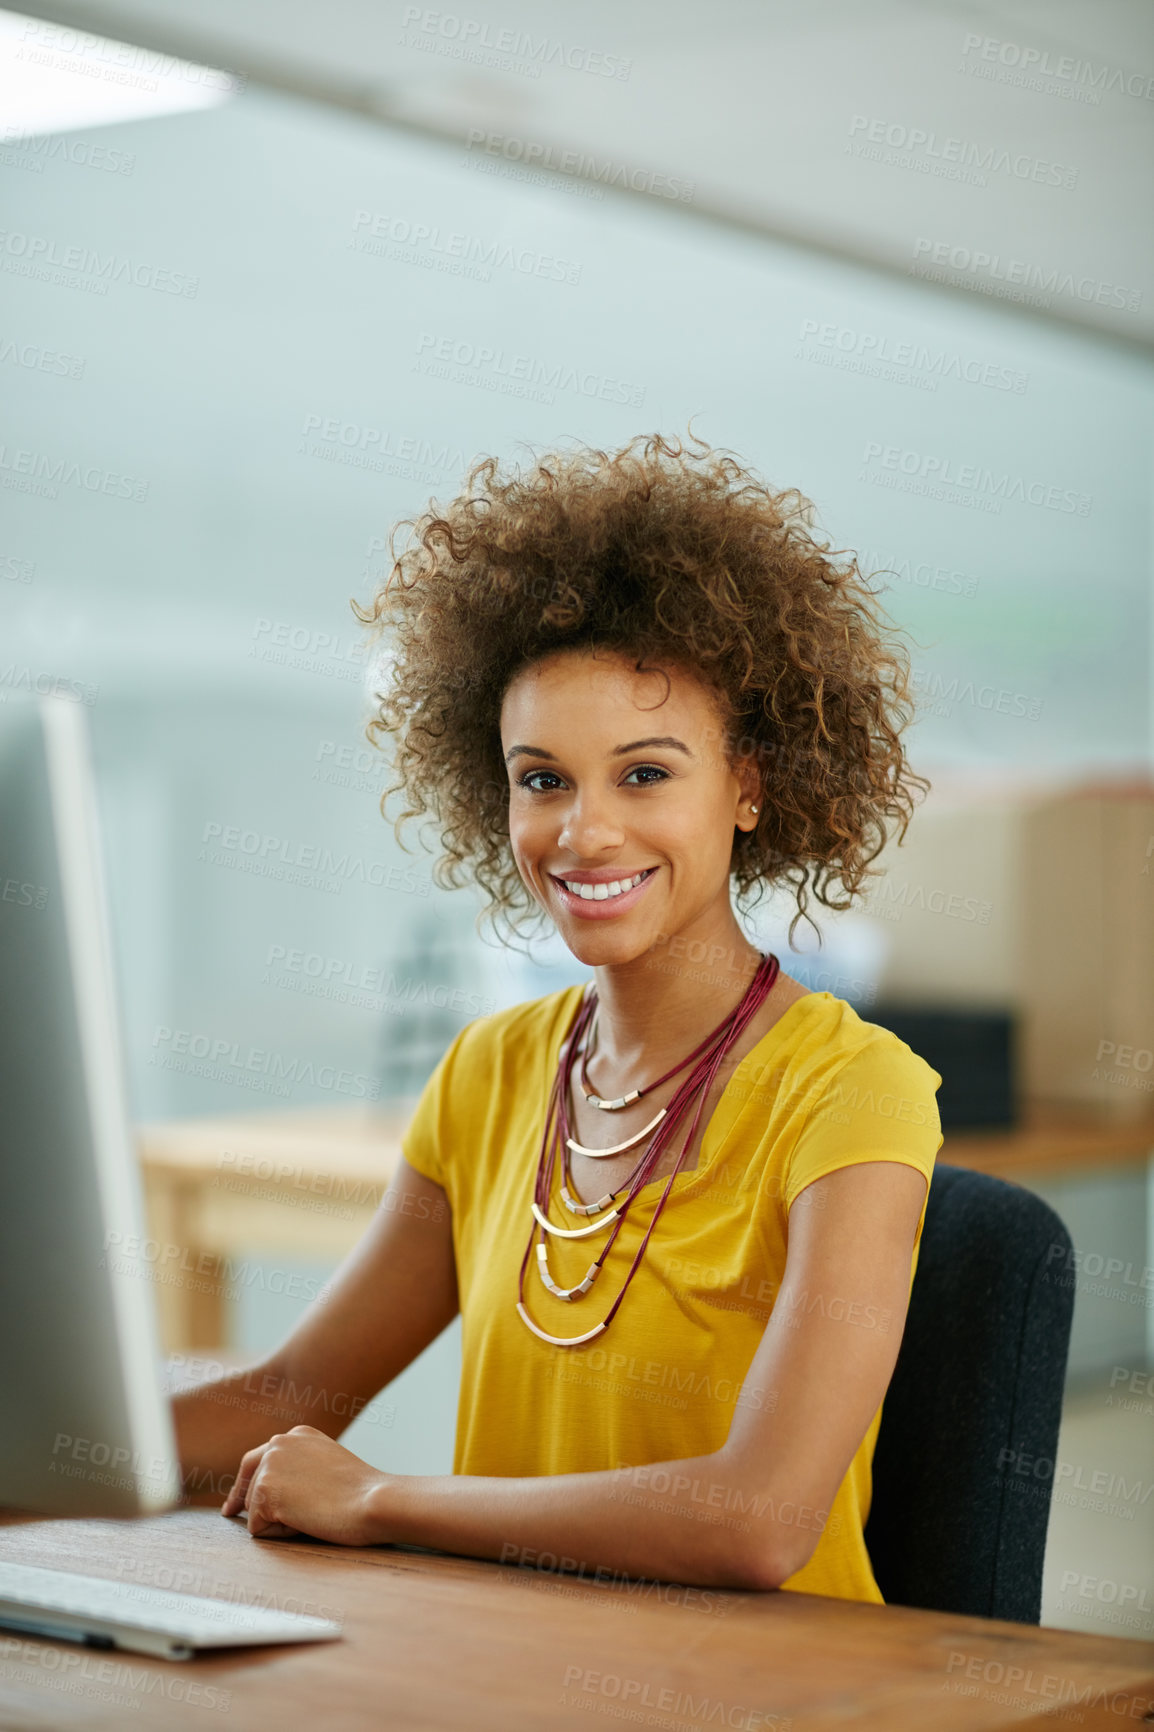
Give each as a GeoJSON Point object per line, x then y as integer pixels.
{"type": "Point", "coordinates": [821, 1090]}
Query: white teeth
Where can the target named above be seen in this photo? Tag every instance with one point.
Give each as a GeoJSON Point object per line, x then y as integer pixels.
{"type": "Point", "coordinates": [602, 892]}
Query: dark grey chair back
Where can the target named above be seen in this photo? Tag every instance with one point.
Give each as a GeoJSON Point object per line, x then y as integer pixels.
{"type": "Point", "coordinates": [966, 1449]}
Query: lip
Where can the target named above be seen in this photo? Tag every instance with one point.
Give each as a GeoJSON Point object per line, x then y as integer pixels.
{"type": "Point", "coordinates": [586, 909]}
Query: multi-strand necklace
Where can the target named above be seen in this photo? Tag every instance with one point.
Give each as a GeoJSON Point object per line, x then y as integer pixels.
{"type": "Point", "coordinates": [612, 1209]}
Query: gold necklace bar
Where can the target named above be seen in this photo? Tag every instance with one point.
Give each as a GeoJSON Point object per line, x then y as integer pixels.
{"type": "Point", "coordinates": [557, 1340]}
{"type": "Point", "coordinates": [618, 1148]}
{"type": "Point", "coordinates": [576, 1208]}
{"type": "Point", "coordinates": [613, 1106]}
{"type": "Point", "coordinates": [551, 1285]}
{"type": "Point", "coordinates": [573, 1232]}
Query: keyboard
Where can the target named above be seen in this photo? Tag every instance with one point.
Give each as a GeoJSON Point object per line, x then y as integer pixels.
{"type": "Point", "coordinates": [109, 1614]}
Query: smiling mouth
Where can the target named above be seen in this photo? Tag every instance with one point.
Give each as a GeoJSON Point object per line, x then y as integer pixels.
{"type": "Point", "coordinates": [607, 891]}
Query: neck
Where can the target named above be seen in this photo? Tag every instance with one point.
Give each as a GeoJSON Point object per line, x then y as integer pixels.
{"type": "Point", "coordinates": [654, 1009]}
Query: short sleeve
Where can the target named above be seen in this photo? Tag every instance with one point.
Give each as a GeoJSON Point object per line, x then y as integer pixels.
{"type": "Point", "coordinates": [427, 1139]}
{"type": "Point", "coordinates": [879, 1105]}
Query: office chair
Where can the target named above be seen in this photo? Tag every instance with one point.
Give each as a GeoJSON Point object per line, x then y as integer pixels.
{"type": "Point", "coordinates": [964, 1463]}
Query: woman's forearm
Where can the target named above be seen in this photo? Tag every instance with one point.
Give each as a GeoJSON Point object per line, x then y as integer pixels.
{"type": "Point", "coordinates": [691, 1521]}
{"type": "Point", "coordinates": [216, 1422]}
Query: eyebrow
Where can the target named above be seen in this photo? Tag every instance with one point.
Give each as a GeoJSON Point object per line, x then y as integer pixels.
{"type": "Point", "coordinates": [666, 740]}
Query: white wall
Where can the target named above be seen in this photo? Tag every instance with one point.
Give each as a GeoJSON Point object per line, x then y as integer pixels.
{"type": "Point", "coordinates": [1031, 650]}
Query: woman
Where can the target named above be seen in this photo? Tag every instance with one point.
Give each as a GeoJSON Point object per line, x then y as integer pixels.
{"type": "Point", "coordinates": [678, 1209]}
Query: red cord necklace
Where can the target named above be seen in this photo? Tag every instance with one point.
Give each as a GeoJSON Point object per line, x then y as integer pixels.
{"type": "Point", "coordinates": [556, 1141]}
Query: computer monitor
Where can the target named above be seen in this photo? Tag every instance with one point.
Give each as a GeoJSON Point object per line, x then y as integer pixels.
{"type": "Point", "coordinates": [85, 1425]}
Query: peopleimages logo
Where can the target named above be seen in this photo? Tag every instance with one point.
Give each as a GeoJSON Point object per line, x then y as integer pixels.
{"type": "Point", "coordinates": [421, 242]}
{"type": "Point", "coordinates": [927, 358]}
{"type": "Point", "coordinates": [532, 154]}
{"type": "Point", "coordinates": [941, 695]}
{"type": "Point", "coordinates": [229, 1055]}
{"type": "Point", "coordinates": [32, 254]}
{"type": "Point", "coordinates": [493, 368]}
{"type": "Point", "coordinates": [364, 447]}
{"type": "Point", "coordinates": [33, 149]}
{"type": "Point", "coordinates": [42, 474]}
{"type": "Point", "coordinates": [360, 977]}
{"type": "Point", "coordinates": [894, 899]}
{"type": "Point", "coordinates": [931, 153]}
{"type": "Point", "coordinates": [121, 60]}
{"type": "Point", "coordinates": [1019, 273]}
{"type": "Point", "coordinates": [16, 570]}
{"type": "Point", "coordinates": [48, 684]}
{"type": "Point", "coordinates": [920, 574]}
{"type": "Point", "coordinates": [1034, 64]}
{"type": "Point", "coordinates": [40, 360]}
{"type": "Point", "coordinates": [508, 49]}
{"type": "Point", "coordinates": [280, 857]}
{"type": "Point", "coordinates": [995, 486]}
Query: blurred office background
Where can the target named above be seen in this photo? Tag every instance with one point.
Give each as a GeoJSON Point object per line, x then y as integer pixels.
{"type": "Point", "coordinates": [273, 277]}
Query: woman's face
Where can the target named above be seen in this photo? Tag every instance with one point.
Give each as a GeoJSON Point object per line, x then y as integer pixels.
{"type": "Point", "coordinates": [622, 805]}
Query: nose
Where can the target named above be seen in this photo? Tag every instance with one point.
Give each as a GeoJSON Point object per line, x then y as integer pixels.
{"type": "Point", "coordinates": [589, 827]}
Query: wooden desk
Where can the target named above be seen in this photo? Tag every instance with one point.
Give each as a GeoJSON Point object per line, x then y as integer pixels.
{"type": "Point", "coordinates": [304, 1184]}
{"type": "Point", "coordinates": [299, 1184]}
{"type": "Point", "coordinates": [1052, 1143]}
{"type": "Point", "coordinates": [439, 1642]}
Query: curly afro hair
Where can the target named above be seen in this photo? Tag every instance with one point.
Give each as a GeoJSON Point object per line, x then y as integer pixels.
{"type": "Point", "coordinates": [667, 554]}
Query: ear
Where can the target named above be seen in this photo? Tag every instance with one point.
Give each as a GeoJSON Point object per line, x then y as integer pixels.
{"type": "Point", "coordinates": [750, 803]}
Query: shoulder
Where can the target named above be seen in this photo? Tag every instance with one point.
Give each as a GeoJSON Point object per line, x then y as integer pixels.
{"type": "Point", "coordinates": [494, 1063]}
{"type": "Point", "coordinates": [861, 1087]}
{"type": "Point", "coordinates": [857, 1093]}
{"type": "Point", "coordinates": [835, 1044]}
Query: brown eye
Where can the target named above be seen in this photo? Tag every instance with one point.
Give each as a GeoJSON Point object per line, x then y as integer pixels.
{"type": "Point", "coordinates": [529, 781]}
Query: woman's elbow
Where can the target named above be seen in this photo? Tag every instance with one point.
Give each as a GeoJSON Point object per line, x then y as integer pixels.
{"type": "Point", "coordinates": [760, 1573]}
{"type": "Point", "coordinates": [768, 1565]}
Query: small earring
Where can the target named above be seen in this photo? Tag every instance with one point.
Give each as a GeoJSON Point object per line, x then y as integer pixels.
{"type": "Point", "coordinates": [753, 808]}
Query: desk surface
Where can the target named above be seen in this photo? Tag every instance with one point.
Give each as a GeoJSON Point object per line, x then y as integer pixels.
{"type": "Point", "coordinates": [440, 1642]}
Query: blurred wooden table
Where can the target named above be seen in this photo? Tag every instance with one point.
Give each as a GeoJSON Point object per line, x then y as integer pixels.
{"type": "Point", "coordinates": [304, 1184]}
{"type": "Point", "coordinates": [435, 1642]}
{"type": "Point", "coordinates": [1052, 1143]}
{"type": "Point", "coordinates": [300, 1184]}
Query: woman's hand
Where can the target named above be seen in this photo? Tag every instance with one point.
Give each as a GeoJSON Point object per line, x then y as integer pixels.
{"type": "Point", "coordinates": [303, 1482]}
